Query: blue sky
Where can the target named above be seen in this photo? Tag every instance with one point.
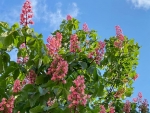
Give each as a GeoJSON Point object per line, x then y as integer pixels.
{"type": "Point", "coordinates": [102, 15]}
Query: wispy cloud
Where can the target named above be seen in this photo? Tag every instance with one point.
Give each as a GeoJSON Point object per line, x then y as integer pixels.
{"type": "Point", "coordinates": [52, 18]}
{"type": "Point", "coordinates": [11, 17]}
{"type": "Point", "coordinates": [57, 16]}
{"type": "Point", "coordinates": [42, 13]}
{"type": "Point", "coordinates": [141, 3]}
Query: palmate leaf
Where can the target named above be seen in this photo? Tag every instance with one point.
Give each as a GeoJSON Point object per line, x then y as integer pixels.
{"type": "Point", "coordinates": [37, 109]}
{"type": "Point", "coordinates": [4, 25]}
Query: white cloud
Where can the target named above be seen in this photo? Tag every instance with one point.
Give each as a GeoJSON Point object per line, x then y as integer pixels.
{"type": "Point", "coordinates": [56, 17]}
{"type": "Point", "coordinates": [141, 3]}
{"type": "Point", "coordinates": [74, 10]}
{"type": "Point", "coordinates": [42, 13]}
{"type": "Point", "coordinates": [52, 18]}
{"type": "Point", "coordinates": [11, 17]}
{"type": "Point", "coordinates": [34, 5]}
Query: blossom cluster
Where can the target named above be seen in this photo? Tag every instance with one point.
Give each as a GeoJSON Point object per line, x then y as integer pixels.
{"type": "Point", "coordinates": [135, 77]}
{"type": "Point", "coordinates": [85, 27]}
{"type": "Point", "coordinates": [120, 37]}
{"type": "Point", "coordinates": [23, 45]}
{"type": "Point", "coordinates": [98, 54]}
{"type": "Point", "coordinates": [6, 106]}
{"type": "Point", "coordinates": [77, 94]}
{"type": "Point", "coordinates": [143, 104]}
{"type": "Point", "coordinates": [22, 60]}
{"type": "Point", "coordinates": [17, 86]}
{"type": "Point", "coordinates": [50, 102]}
{"type": "Point", "coordinates": [112, 109]}
{"type": "Point", "coordinates": [74, 43]}
{"type": "Point", "coordinates": [27, 14]}
{"type": "Point", "coordinates": [69, 17]}
{"type": "Point", "coordinates": [30, 78]}
{"type": "Point", "coordinates": [119, 93]}
{"type": "Point", "coordinates": [58, 69]}
{"type": "Point", "coordinates": [103, 110]}
{"type": "Point", "coordinates": [127, 107]}
{"type": "Point", "coordinates": [54, 43]}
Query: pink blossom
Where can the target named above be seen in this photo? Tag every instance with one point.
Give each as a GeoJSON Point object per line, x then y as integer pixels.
{"type": "Point", "coordinates": [69, 17]}
{"type": "Point", "coordinates": [30, 78]}
{"type": "Point", "coordinates": [102, 109]}
{"type": "Point", "coordinates": [7, 105]}
{"type": "Point", "coordinates": [111, 109]}
{"type": "Point", "coordinates": [98, 54]}
{"type": "Point", "coordinates": [77, 94]}
{"type": "Point", "coordinates": [143, 107]}
{"type": "Point", "coordinates": [145, 103]}
{"type": "Point", "coordinates": [23, 45]}
{"type": "Point", "coordinates": [1, 107]}
{"type": "Point", "coordinates": [135, 77]}
{"type": "Point", "coordinates": [27, 14]}
{"type": "Point", "coordinates": [50, 102]}
{"type": "Point", "coordinates": [120, 37]}
{"type": "Point", "coordinates": [17, 86]}
{"type": "Point", "coordinates": [91, 55]}
{"type": "Point", "coordinates": [135, 100]}
{"type": "Point", "coordinates": [74, 43]}
{"type": "Point", "coordinates": [58, 39]}
{"type": "Point", "coordinates": [119, 33]}
{"type": "Point", "coordinates": [118, 44]}
{"type": "Point", "coordinates": [142, 104]}
{"type": "Point", "coordinates": [85, 27]}
{"type": "Point", "coordinates": [127, 107]}
{"type": "Point", "coordinates": [54, 43]}
{"type": "Point", "coordinates": [58, 69]}
{"type": "Point", "coordinates": [21, 60]}
{"type": "Point", "coordinates": [140, 95]}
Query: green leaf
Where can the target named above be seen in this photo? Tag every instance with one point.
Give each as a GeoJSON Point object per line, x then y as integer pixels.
{"type": "Point", "coordinates": [100, 90]}
{"type": "Point", "coordinates": [16, 25]}
{"type": "Point", "coordinates": [28, 87]}
{"type": "Point", "coordinates": [39, 79]}
{"type": "Point", "coordinates": [57, 90]}
{"type": "Point", "coordinates": [65, 92]}
{"type": "Point", "coordinates": [1, 64]}
{"type": "Point", "coordinates": [83, 65]}
{"type": "Point", "coordinates": [31, 41]}
{"type": "Point", "coordinates": [16, 74]}
{"type": "Point", "coordinates": [37, 109]}
{"type": "Point", "coordinates": [40, 36]}
{"type": "Point", "coordinates": [98, 72]}
{"type": "Point", "coordinates": [42, 91]}
{"type": "Point", "coordinates": [46, 59]}
{"type": "Point", "coordinates": [126, 48]}
{"type": "Point", "coordinates": [8, 40]}
{"type": "Point", "coordinates": [1, 45]}
{"type": "Point", "coordinates": [129, 92]}
{"type": "Point", "coordinates": [91, 69]}
{"type": "Point", "coordinates": [4, 25]}
{"type": "Point", "coordinates": [9, 70]}
{"type": "Point", "coordinates": [34, 99]}
{"type": "Point", "coordinates": [40, 63]}
{"type": "Point", "coordinates": [54, 105]}
{"type": "Point", "coordinates": [95, 75]}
